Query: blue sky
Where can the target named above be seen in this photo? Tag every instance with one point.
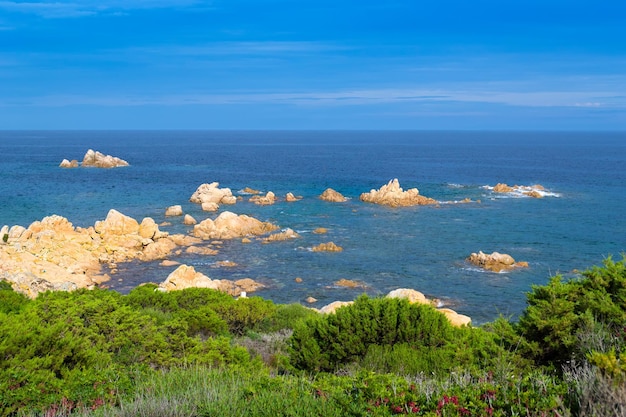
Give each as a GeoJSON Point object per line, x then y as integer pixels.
{"type": "Point", "coordinates": [300, 64]}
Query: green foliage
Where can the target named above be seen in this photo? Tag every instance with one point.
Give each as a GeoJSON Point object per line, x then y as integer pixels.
{"type": "Point", "coordinates": [383, 333]}
{"type": "Point", "coordinates": [82, 348]}
{"type": "Point", "coordinates": [287, 316]}
{"type": "Point", "coordinates": [245, 314]}
{"type": "Point", "coordinates": [5, 237]}
{"type": "Point", "coordinates": [558, 311]}
{"type": "Point", "coordinates": [207, 312]}
{"type": "Point", "coordinates": [11, 301]}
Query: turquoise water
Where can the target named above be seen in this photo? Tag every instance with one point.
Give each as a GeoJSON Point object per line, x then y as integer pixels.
{"type": "Point", "coordinates": [422, 247]}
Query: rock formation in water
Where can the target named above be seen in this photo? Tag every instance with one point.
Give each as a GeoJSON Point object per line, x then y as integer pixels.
{"type": "Point", "coordinates": [495, 262]}
{"type": "Point", "coordinates": [264, 200]}
{"type": "Point", "coordinates": [349, 283]}
{"type": "Point", "coordinates": [290, 198]}
{"type": "Point", "coordinates": [174, 211]}
{"type": "Point", "coordinates": [392, 195]}
{"type": "Point", "coordinates": [187, 277]}
{"type": "Point", "coordinates": [95, 159]}
{"type": "Point", "coordinates": [286, 234]}
{"type": "Point", "coordinates": [333, 196]}
{"type": "Point", "coordinates": [211, 193]}
{"type": "Point", "coordinates": [189, 220]}
{"type": "Point", "coordinates": [327, 247]}
{"type": "Point", "coordinates": [69, 164]}
{"type": "Point", "coordinates": [52, 254]}
{"type": "Point", "coordinates": [535, 191]}
{"type": "Point", "coordinates": [99, 160]}
{"type": "Point", "coordinates": [229, 225]}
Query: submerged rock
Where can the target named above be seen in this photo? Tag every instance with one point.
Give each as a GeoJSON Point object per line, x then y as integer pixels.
{"type": "Point", "coordinates": [327, 247]}
{"type": "Point", "coordinates": [535, 191]}
{"type": "Point", "coordinates": [348, 283]}
{"type": "Point", "coordinates": [393, 195]}
{"type": "Point", "coordinates": [286, 234]}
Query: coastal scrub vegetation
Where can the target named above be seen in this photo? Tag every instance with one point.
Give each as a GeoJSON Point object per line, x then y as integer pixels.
{"type": "Point", "coordinates": [199, 352]}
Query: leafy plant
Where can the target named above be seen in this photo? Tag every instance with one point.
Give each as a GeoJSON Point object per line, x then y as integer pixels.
{"type": "Point", "coordinates": [559, 311]}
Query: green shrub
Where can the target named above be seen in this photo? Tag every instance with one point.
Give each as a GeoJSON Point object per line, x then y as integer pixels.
{"type": "Point", "coordinates": [60, 347]}
{"type": "Point", "coordinates": [245, 314]}
{"type": "Point", "coordinates": [11, 301]}
{"type": "Point", "coordinates": [558, 313]}
{"type": "Point", "coordinates": [375, 325]}
{"type": "Point", "coordinates": [287, 316]}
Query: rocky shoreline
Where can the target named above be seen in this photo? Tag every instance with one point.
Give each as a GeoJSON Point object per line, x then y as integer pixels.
{"type": "Point", "coordinates": [52, 254]}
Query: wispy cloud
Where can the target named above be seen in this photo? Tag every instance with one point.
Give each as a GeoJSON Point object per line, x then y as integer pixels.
{"type": "Point", "coordinates": [342, 98]}
{"type": "Point", "coordinates": [80, 8]}
{"type": "Point", "coordinates": [245, 48]}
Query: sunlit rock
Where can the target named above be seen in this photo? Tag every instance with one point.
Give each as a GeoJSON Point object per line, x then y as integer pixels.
{"type": "Point", "coordinates": [393, 195]}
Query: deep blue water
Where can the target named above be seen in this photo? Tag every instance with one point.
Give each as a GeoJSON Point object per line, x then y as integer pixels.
{"type": "Point", "coordinates": [422, 248]}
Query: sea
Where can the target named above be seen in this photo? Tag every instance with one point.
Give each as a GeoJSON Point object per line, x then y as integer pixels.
{"type": "Point", "coordinates": [580, 222]}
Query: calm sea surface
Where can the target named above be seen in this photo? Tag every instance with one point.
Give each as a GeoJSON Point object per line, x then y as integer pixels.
{"type": "Point", "coordinates": [422, 248]}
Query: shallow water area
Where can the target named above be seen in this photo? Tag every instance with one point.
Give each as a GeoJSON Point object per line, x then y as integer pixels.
{"type": "Point", "coordinates": [574, 226]}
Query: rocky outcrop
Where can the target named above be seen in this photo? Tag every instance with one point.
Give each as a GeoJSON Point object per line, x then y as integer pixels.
{"type": "Point", "coordinates": [69, 164]}
{"type": "Point", "coordinates": [393, 195]}
{"type": "Point", "coordinates": [286, 234]}
{"type": "Point", "coordinates": [333, 196]}
{"type": "Point", "coordinates": [53, 254]}
{"type": "Point", "coordinates": [290, 198]}
{"type": "Point", "coordinates": [455, 318]}
{"type": "Point", "coordinates": [327, 247]}
{"type": "Point", "coordinates": [412, 295]}
{"type": "Point", "coordinates": [99, 160]}
{"type": "Point", "coordinates": [264, 200]}
{"type": "Point", "coordinates": [348, 283]}
{"type": "Point", "coordinates": [535, 191]}
{"type": "Point", "coordinates": [211, 193]}
{"type": "Point", "coordinates": [334, 306]}
{"type": "Point", "coordinates": [229, 225]}
{"type": "Point", "coordinates": [174, 211]}
{"type": "Point", "coordinates": [95, 159]}
{"type": "Point", "coordinates": [210, 206]}
{"type": "Point", "coordinates": [187, 277]}
{"type": "Point", "coordinates": [496, 262]}
{"type": "Point", "coordinates": [249, 190]}
{"type": "Point", "coordinates": [189, 220]}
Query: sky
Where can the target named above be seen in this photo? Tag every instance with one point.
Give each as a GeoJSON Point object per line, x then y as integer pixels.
{"type": "Point", "coordinates": [323, 64]}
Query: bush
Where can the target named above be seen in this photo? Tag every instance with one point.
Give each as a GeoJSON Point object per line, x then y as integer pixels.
{"type": "Point", "coordinates": [386, 329]}
{"type": "Point", "coordinates": [559, 312]}
{"type": "Point", "coordinates": [11, 301]}
{"type": "Point", "coordinates": [83, 348]}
